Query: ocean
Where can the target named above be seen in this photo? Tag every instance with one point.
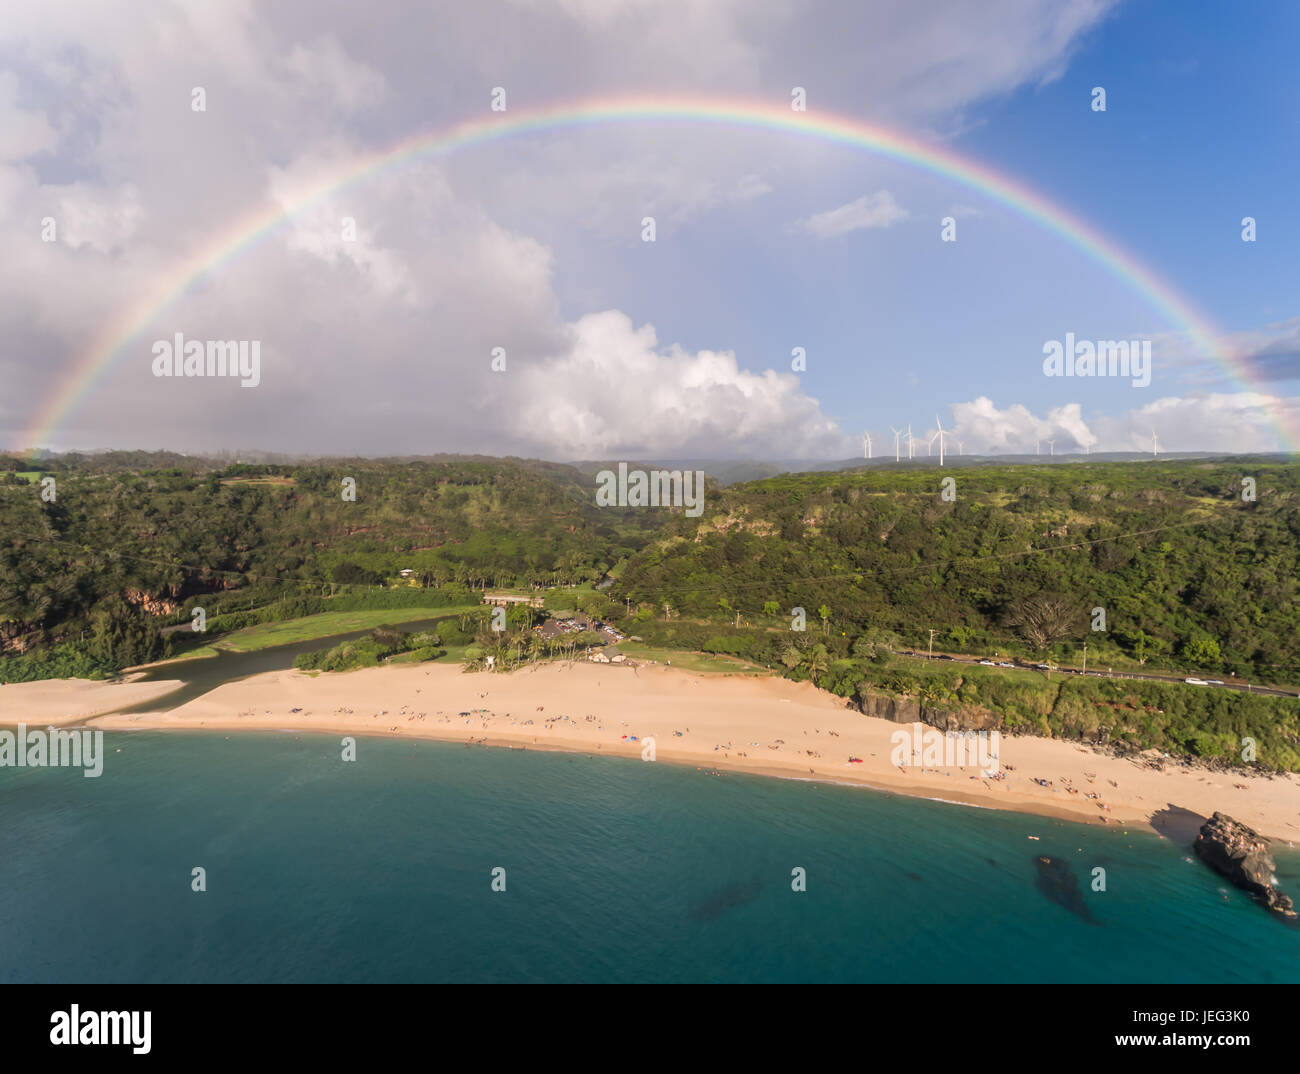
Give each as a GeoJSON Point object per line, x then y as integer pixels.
{"type": "Point", "coordinates": [382, 870]}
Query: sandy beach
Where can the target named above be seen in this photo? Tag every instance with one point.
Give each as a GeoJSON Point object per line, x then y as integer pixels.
{"type": "Point", "coordinates": [767, 726]}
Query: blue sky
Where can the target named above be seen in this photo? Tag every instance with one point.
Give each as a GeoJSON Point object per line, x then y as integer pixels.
{"type": "Point", "coordinates": [1195, 137]}
{"type": "Point", "coordinates": [618, 347]}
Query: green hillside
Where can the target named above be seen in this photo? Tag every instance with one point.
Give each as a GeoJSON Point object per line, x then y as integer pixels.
{"type": "Point", "coordinates": [1189, 575]}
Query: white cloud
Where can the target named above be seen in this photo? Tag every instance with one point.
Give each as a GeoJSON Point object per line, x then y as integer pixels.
{"type": "Point", "coordinates": [1230, 422]}
{"type": "Point", "coordinates": [615, 391]}
{"type": "Point", "coordinates": [324, 71]}
{"type": "Point", "coordinates": [1227, 422]}
{"type": "Point", "coordinates": [878, 210]}
{"type": "Point", "coordinates": [93, 216]}
{"type": "Point", "coordinates": [23, 132]}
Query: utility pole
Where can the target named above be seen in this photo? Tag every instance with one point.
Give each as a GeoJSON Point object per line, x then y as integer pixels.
{"type": "Point", "coordinates": [931, 656]}
{"type": "Point", "coordinates": [1085, 658]}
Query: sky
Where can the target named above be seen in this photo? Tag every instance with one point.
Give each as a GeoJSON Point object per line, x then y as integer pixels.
{"type": "Point", "coordinates": [532, 247]}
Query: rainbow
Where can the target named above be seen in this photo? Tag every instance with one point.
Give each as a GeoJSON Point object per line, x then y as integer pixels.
{"type": "Point", "coordinates": [129, 327]}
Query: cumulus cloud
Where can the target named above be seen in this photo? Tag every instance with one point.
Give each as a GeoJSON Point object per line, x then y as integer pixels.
{"type": "Point", "coordinates": [615, 391]}
{"type": "Point", "coordinates": [985, 429]}
{"type": "Point", "coordinates": [1220, 422]}
{"type": "Point", "coordinates": [878, 210]}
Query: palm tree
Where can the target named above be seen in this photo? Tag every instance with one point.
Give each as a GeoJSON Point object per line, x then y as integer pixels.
{"type": "Point", "coordinates": [817, 661]}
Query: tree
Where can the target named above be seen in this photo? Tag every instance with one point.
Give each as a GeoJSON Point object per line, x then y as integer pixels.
{"type": "Point", "coordinates": [875, 644]}
{"type": "Point", "coordinates": [1202, 652]}
{"type": "Point", "coordinates": [1043, 620]}
{"type": "Point", "coordinates": [818, 661]}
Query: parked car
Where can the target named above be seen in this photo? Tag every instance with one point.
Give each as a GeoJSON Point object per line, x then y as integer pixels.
{"type": "Point", "coordinates": [988, 664]}
{"type": "Point", "coordinates": [1005, 664]}
{"type": "Point", "coordinates": [1196, 682]}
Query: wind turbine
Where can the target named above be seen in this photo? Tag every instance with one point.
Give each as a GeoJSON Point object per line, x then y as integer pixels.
{"type": "Point", "coordinates": [866, 445]}
{"type": "Point", "coordinates": [895, 432]}
{"type": "Point", "coordinates": [939, 434]}
{"type": "Point", "coordinates": [1038, 446]}
{"type": "Point", "coordinates": [909, 440]}
{"type": "Point", "coordinates": [1051, 446]}
{"type": "Point", "coordinates": [960, 450]}
{"type": "Point", "coordinates": [1155, 444]}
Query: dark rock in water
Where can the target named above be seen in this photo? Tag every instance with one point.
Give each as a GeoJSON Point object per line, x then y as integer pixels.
{"type": "Point", "coordinates": [1241, 854]}
{"type": "Point", "coordinates": [1057, 881]}
{"type": "Point", "coordinates": [728, 897]}
{"type": "Point", "coordinates": [914, 876]}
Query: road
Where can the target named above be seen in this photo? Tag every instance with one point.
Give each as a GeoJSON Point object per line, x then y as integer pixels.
{"type": "Point", "coordinates": [1153, 676]}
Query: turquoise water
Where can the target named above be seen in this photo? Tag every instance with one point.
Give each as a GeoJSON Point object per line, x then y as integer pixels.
{"type": "Point", "coordinates": [380, 870]}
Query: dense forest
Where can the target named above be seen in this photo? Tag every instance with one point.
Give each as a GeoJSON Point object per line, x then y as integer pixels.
{"type": "Point", "coordinates": [119, 548]}
{"type": "Point", "coordinates": [1170, 565]}
{"type": "Point", "coordinates": [1158, 564]}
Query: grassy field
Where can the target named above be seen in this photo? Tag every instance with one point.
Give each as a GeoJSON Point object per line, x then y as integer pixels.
{"type": "Point", "coordinates": [284, 481]}
{"type": "Point", "coordinates": [328, 624]}
{"type": "Point", "coordinates": [563, 601]}
{"type": "Point", "coordinates": [691, 661]}
{"type": "Point", "coordinates": [455, 654]}
{"type": "Point", "coordinates": [192, 654]}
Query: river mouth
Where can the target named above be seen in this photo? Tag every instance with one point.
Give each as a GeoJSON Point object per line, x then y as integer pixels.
{"type": "Point", "coordinates": [204, 674]}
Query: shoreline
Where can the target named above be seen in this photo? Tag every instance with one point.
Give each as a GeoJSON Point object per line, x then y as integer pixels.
{"type": "Point", "coordinates": [760, 726]}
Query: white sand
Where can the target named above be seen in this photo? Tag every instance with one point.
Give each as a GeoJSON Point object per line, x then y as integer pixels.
{"type": "Point", "coordinates": [761, 725]}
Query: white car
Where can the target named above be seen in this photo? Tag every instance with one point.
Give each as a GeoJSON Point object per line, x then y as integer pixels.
{"type": "Point", "coordinates": [1004, 664]}
{"type": "Point", "coordinates": [1196, 682]}
{"type": "Point", "coordinates": [1215, 682]}
{"type": "Point", "coordinates": [988, 664]}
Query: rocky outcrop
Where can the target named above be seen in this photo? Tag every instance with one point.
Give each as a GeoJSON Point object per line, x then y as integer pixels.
{"type": "Point", "coordinates": [969, 719]}
{"type": "Point", "coordinates": [884, 707]}
{"type": "Point", "coordinates": [17, 637]}
{"type": "Point", "coordinates": [151, 603]}
{"type": "Point", "coordinates": [1241, 854]}
{"type": "Point", "coordinates": [909, 710]}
